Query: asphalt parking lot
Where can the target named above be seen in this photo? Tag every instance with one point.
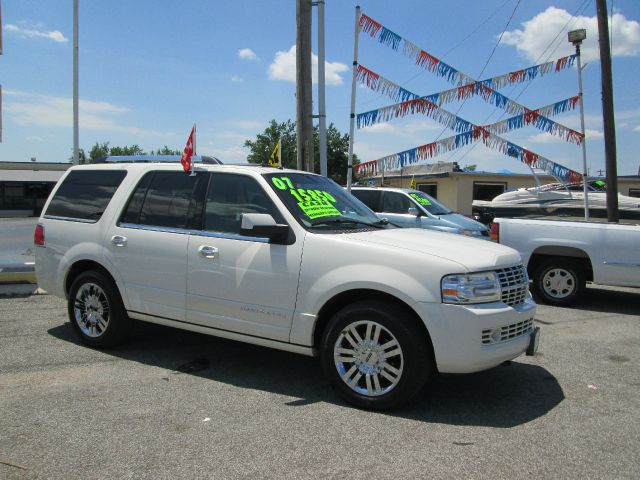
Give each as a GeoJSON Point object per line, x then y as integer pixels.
{"type": "Point", "coordinates": [173, 404]}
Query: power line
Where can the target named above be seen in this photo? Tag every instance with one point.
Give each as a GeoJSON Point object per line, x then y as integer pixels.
{"type": "Point", "coordinates": [487, 62]}
{"type": "Point", "coordinates": [573, 18]}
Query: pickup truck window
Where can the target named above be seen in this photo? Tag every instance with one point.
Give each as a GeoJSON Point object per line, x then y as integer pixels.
{"type": "Point", "coordinates": [320, 203]}
{"type": "Point", "coordinates": [230, 195]}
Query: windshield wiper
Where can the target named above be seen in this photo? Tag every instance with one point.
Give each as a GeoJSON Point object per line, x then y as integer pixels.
{"type": "Point", "coordinates": [342, 221]}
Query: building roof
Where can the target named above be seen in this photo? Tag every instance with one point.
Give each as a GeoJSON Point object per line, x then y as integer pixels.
{"type": "Point", "coordinates": [30, 175]}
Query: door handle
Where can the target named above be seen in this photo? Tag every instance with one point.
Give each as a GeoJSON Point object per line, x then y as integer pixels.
{"type": "Point", "coordinates": [207, 251]}
{"type": "Point", "coordinates": [119, 240]}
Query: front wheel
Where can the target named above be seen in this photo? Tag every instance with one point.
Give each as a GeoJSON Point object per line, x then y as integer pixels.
{"type": "Point", "coordinates": [96, 310]}
{"type": "Point", "coordinates": [375, 356]}
{"type": "Point", "coordinates": [558, 281]}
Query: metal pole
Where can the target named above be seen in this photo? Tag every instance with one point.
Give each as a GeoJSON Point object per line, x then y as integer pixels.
{"type": "Point", "coordinates": [304, 123]}
{"type": "Point", "coordinates": [353, 100]}
{"type": "Point", "coordinates": [322, 113]}
{"type": "Point", "coordinates": [76, 135]}
{"type": "Point", "coordinates": [584, 138]}
{"type": "Point", "coordinates": [607, 112]}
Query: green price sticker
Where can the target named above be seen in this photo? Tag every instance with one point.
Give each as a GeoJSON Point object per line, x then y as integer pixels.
{"type": "Point", "coordinates": [313, 203]}
{"type": "Point", "coordinates": [419, 199]}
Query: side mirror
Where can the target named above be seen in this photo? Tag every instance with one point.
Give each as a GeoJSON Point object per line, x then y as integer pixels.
{"type": "Point", "coordinates": [414, 211]}
{"type": "Point", "coordinates": [262, 225]}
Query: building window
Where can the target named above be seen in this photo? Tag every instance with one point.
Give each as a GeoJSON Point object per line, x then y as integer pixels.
{"type": "Point", "coordinates": [430, 189]}
{"type": "Point", "coordinates": [634, 192]}
{"type": "Point", "coordinates": [488, 190]}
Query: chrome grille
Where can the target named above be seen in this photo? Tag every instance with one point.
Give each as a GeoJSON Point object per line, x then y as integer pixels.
{"type": "Point", "coordinates": [514, 283]}
{"type": "Point", "coordinates": [507, 332]}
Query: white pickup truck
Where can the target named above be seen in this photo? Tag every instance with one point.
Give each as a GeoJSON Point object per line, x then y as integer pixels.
{"type": "Point", "coordinates": [561, 256]}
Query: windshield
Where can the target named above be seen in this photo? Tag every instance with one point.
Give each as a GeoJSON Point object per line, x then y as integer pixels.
{"type": "Point", "coordinates": [429, 203]}
{"type": "Point", "coordinates": [318, 202]}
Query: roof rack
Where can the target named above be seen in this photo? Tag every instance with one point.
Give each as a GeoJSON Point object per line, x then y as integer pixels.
{"type": "Point", "coordinates": [156, 158]}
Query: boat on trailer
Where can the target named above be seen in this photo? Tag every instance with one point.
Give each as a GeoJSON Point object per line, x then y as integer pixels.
{"type": "Point", "coordinates": [558, 199]}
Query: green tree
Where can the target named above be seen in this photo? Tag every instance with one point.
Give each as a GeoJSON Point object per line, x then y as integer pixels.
{"type": "Point", "coordinates": [262, 147]}
{"type": "Point", "coordinates": [166, 151]}
{"type": "Point", "coordinates": [126, 150]}
{"type": "Point", "coordinates": [82, 157]}
{"type": "Point", "coordinates": [99, 151]}
{"type": "Point", "coordinates": [337, 148]}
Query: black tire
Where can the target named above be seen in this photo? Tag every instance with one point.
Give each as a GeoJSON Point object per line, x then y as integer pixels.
{"type": "Point", "coordinates": [97, 313]}
{"type": "Point", "coordinates": [558, 281]}
{"type": "Point", "coordinates": [415, 362]}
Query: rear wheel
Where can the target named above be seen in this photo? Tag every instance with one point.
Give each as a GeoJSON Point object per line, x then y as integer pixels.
{"type": "Point", "coordinates": [558, 281]}
{"type": "Point", "coordinates": [96, 310]}
{"type": "Point", "coordinates": [375, 356]}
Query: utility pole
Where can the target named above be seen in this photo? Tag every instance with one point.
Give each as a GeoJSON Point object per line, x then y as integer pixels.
{"type": "Point", "coordinates": [607, 112]}
{"type": "Point", "coordinates": [76, 135]}
{"type": "Point", "coordinates": [304, 120]}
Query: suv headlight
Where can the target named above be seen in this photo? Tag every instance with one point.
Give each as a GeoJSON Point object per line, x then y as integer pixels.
{"type": "Point", "coordinates": [469, 288]}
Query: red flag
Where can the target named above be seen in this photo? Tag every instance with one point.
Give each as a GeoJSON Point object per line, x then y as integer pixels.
{"type": "Point", "coordinates": [189, 151]}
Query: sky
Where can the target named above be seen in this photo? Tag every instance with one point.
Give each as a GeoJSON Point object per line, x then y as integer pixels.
{"type": "Point", "coordinates": [150, 69]}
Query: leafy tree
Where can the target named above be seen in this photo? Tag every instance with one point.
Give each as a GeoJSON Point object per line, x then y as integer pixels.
{"type": "Point", "coordinates": [470, 168]}
{"type": "Point", "coordinates": [261, 148]}
{"type": "Point", "coordinates": [82, 157]}
{"type": "Point", "coordinates": [337, 148]}
{"type": "Point", "coordinates": [166, 151]}
{"type": "Point", "coordinates": [98, 151]}
{"type": "Point", "coordinates": [126, 150]}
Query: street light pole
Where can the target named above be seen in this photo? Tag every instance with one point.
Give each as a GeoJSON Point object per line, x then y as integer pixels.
{"type": "Point", "coordinates": [76, 133]}
{"type": "Point", "coordinates": [576, 37]}
{"type": "Point", "coordinates": [322, 110]}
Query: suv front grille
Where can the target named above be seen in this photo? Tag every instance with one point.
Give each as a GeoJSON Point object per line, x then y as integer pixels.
{"type": "Point", "coordinates": [514, 283]}
{"type": "Point", "coordinates": [507, 332]}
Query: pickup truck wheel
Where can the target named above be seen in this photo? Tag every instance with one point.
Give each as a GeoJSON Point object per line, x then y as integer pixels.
{"type": "Point", "coordinates": [558, 281]}
{"type": "Point", "coordinates": [375, 356]}
{"type": "Point", "coordinates": [96, 310]}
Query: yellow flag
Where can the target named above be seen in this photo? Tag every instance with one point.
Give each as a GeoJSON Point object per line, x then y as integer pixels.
{"type": "Point", "coordinates": [274, 159]}
{"type": "Point", "coordinates": [412, 185]}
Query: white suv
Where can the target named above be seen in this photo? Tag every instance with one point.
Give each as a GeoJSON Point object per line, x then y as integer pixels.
{"type": "Point", "coordinates": [284, 259]}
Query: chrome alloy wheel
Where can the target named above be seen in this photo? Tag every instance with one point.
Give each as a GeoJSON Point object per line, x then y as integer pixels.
{"type": "Point", "coordinates": [368, 358]}
{"type": "Point", "coordinates": [558, 283]}
{"type": "Point", "coordinates": [91, 310]}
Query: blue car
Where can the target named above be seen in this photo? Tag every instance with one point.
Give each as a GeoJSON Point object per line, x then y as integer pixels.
{"type": "Point", "coordinates": [414, 209]}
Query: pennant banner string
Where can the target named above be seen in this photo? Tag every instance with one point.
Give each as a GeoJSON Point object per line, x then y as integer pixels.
{"type": "Point", "coordinates": [434, 65]}
{"type": "Point", "coordinates": [415, 104]}
{"type": "Point", "coordinates": [433, 149]}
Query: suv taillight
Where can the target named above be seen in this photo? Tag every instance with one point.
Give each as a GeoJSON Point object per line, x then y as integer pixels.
{"type": "Point", "coordinates": [495, 232]}
{"type": "Point", "coordinates": [38, 236]}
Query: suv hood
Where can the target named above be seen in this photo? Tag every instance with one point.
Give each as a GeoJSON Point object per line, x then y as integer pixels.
{"type": "Point", "coordinates": [474, 254]}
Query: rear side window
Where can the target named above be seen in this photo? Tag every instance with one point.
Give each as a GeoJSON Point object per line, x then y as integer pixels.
{"type": "Point", "coordinates": [163, 199]}
{"type": "Point", "coordinates": [84, 195]}
{"type": "Point", "coordinates": [370, 198]}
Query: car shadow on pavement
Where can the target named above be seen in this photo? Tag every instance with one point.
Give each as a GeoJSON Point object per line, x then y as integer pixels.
{"type": "Point", "coordinates": [610, 300]}
{"type": "Point", "coordinates": [506, 396]}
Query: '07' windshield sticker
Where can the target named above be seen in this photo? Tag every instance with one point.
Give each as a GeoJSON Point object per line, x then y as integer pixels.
{"type": "Point", "coordinates": [419, 199]}
{"type": "Point", "coordinates": [313, 203]}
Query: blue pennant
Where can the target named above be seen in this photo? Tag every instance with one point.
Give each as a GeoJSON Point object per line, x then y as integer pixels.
{"type": "Point", "coordinates": [389, 38]}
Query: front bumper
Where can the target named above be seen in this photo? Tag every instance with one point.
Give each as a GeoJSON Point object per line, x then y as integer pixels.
{"type": "Point", "coordinates": [461, 334]}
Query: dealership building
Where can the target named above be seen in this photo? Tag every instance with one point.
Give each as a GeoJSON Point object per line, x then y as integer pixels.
{"type": "Point", "coordinates": [25, 186]}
